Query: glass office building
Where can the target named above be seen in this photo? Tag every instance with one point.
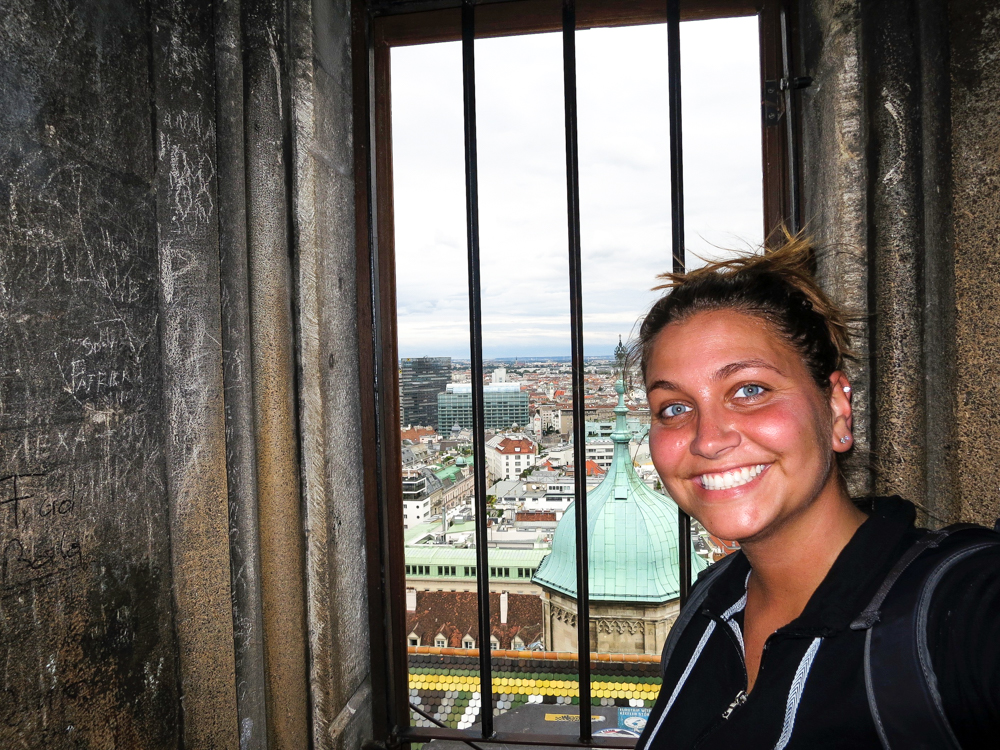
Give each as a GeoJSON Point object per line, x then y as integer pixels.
{"type": "Point", "coordinates": [506, 405]}
{"type": "Point", "coordinates": [421, 379]}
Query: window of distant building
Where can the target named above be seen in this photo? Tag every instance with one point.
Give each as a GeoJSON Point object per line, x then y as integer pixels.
{"type": "Point", "coordinates": [494, 642]}
{"type": "Point", "coordinates": [517, 644]}
{"type": "Point", "coordinates": [440, 641]}
{"type": "Point", "coordinates": [468, 642]}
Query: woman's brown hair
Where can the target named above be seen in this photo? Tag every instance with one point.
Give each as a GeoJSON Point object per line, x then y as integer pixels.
{"type": "Point", "coordinates": [777, 286]}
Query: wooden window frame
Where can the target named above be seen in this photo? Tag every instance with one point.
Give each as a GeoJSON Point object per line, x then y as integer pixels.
{"type": "Point", "coordinates": [376, 28]}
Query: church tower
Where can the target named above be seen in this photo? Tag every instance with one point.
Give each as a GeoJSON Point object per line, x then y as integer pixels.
{"type": "Point", "coordinates": [633, 565]}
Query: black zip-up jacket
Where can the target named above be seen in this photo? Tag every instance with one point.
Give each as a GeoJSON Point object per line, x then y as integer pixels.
{"type": "Point", "coordinates": [810, 690]}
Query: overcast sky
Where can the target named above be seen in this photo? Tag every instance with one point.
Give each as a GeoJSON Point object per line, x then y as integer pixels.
{"type": "Point", "coordinates": [624, 180]}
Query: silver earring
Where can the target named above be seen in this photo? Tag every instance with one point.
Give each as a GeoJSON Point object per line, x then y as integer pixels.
{"type": "Point", "coordinates": [847, 389]}
{"type": "Point", "coordinates": [845, 439]}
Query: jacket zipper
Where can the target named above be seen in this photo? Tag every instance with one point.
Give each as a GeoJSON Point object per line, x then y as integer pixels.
{"type": "Point", "coordinates": [739, 700]}
{"type": "Point", "coordinates": [741, 696]}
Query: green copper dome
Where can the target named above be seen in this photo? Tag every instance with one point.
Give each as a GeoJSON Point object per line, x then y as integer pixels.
{"type": "Point", "coordinates": [631, 535]}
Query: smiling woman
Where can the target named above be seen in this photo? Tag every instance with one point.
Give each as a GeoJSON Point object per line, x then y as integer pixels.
{"type": "Point", "coordinates": [749, 396]}
{"type": "Point", "coordinates": [743, 365]}
{"type": "Point", "coordinates": [738, 416]}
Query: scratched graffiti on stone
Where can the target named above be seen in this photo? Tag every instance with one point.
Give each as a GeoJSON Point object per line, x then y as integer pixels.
{"type": "Point", "coordinates": [191, 170]}
{"type": "Point", "coordinates": [36, 543]}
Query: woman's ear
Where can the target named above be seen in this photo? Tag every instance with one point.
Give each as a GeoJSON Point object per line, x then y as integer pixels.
{"type": "Point", "coordinates": [842, 438]}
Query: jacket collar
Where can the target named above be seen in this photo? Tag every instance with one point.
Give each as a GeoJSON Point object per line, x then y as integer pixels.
{"type": "Point", "coordinates": [852, 580]}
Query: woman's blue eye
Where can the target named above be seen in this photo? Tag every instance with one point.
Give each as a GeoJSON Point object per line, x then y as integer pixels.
{"type": "Point", "coordinates": [675, 410]}
{"type": "Point", "coordinates": [749, 391]}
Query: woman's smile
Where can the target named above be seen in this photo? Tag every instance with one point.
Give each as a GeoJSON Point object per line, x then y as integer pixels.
{"type": "Point", "coordinates": [731, 478]}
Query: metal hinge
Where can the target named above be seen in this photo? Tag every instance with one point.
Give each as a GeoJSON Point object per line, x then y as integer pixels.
{"type": "Point", "coordinates": [772, 105]}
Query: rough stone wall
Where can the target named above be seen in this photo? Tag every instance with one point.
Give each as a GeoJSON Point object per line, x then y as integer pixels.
{"type": "Point", "coordinates": [88, 656]}
{"type": "Point", "coordinates": [329, 404]}
{"type": "Point", "coordinates": [188, 219]}
{"type": "Point", "coordinates": [179, 408]}
{"type": "Point", "coordinates": [241, 467]}
{"type": "Point", "coordinates": [835, 189]}
{"type": "Point", "coordinates": [891, 55]}
{"type": "Point", "coordinates": [878, 166]}
{"type": "Point", "coordinates": [975, 111]}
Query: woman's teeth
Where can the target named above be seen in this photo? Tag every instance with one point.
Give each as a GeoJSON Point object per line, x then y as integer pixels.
{"type": "Point", "coordinates": [730, 479]}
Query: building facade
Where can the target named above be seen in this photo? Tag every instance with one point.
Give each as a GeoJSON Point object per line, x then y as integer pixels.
{"type": "Point", "coordinates": [422, 490]}
{"type": "Point", "coordinates": [508, 456]}
{"type": "Point", "coordinates": [432, 567]}
{"type": "Point", "coordinates": [421, 379]}
{"type": "Point", "coordinates": [506, 405]}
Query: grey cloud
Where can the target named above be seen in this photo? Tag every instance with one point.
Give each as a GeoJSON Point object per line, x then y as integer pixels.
{"type": "Point", "coordinates": [624, 180]}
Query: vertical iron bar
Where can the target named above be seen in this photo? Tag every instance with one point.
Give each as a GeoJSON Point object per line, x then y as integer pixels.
{"type": "Point", "coordinates": [676, 143]}
{"type": "Point", "coordinates": [677, 235]}
{"type": "Point", "coordinates": [476, 346]}
{"type": "Point", "coordinates": [795, 217]}
{"type": "Point", "coordinates": [576, 337]}
{"type": "Point", "coordinates": [684, 554]}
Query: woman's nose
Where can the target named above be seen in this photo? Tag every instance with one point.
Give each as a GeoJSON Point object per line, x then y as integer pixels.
{"type": "Point", "coordinates": [713, 437]}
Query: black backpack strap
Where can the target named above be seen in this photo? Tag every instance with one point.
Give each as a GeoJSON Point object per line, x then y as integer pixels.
{"type": "Point", "coordinates": [899, 676]}
{"type": "Point", "coordinates": [691, 608]}
{"type": "Point", "coordinates": [871, 614]}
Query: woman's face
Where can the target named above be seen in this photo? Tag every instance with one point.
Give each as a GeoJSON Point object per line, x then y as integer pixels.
{"type": "Point", "coordinates": [741, 435]}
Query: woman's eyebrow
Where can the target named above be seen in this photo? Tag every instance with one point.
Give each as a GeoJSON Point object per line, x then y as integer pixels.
{"type": "Point", "coordinates": [733, 367]}
{"type": "Point", "coordinates": [721, 374]}
{"type": "Point", "coordinates": [665, 385]}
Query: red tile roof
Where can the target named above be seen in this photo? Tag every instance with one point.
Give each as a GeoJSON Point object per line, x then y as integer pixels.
{"type": "Point", "coordinates": [512, 446]}
{"type": "Point", "coordinates": [721, 547]}
{"type": "Point", "coordinates": [456, 614]}
{"type": "Point", "coordinates": [528, 515]}
{"type": "Point", "coordinates": [415, 433]}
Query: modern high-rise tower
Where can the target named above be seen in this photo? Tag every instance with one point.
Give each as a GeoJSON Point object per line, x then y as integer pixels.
{"type": "Point", "coordinates": [421, 379]}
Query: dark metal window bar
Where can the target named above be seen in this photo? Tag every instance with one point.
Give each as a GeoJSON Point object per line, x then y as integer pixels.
{"type": "Point", "coordinates": [788, 85]}
{"type": "Point", "coordinates": [476, 352]}
{"type": "Point", "coordinates": [576, 348]}
{"type": "Point", "coordinates": [677, 235]}
{"type": "Point", "coordinates": [488, 733]}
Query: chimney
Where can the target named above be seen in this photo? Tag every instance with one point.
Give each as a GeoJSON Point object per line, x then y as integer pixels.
{"type": "Point", "coordinates": [503, 608]}
{"type": "Point", "coordinates": [411, 601]}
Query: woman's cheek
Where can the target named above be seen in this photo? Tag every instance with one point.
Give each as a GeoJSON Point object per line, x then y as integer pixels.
{"type": "Point", "coordinates": [777, 428]}
{"type": "Point", "coordinates": [667, 449]}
